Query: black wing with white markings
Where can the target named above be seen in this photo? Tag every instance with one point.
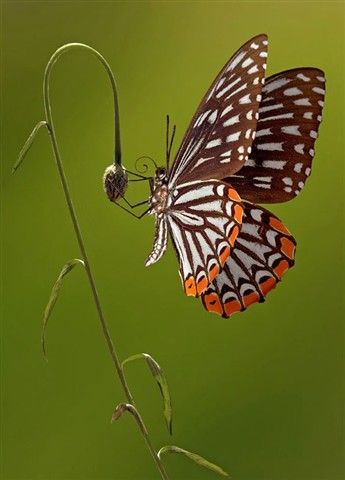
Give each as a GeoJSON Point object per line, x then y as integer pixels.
{"type": "Point", "coordinates": [283, 150]}
{"type": "Point", "coordinates": [220, 135]}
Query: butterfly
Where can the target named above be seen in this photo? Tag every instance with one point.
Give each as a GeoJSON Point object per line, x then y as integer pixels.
{"type": "Point", "coordinates": [250, 141]}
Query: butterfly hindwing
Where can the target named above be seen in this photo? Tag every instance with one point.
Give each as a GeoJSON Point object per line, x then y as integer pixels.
{"type": "Point", "coordinates": [283, 149]}
{"type": "Point", "coordinates": [219, 137]}
{"type": "Point", "coordinates": [263, 251]}
{"type": "Point", "coordinates": [204, 219]}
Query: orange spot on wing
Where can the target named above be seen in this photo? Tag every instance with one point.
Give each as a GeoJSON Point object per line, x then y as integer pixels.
{"type": "Point", "coordinates": [252, 297]}
{"type": "Point", "coordinates": [233, 235]}
{"type": "Point", "coordinates": [213, 273]}
{"type": "Point", "coordinates": [267, 285]}
{"type": "Point", "coordinates": [288, 247]}
{"type": "Point", "coordinates": [212, 303]}
{"type": "Point", "coordinates": [190, 287]}
{"type": "Point", "coordinates": [202, 284]}
{"type": "Point", "coordinates": [238, 213]}
{"type": "Point", "coordinates": [281, 268]}
{"type": "Point", "coordinates": [277, 225]}
{"type": "Point", "coordinates": [232, 307]}
{"type": "Point", "coordinates": [224, 255]}
{"type": "Point", "coordinates": [233, 195]}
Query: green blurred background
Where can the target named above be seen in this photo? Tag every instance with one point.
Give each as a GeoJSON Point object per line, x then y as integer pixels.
{"type": "Point", "coordinates": [261, 394]}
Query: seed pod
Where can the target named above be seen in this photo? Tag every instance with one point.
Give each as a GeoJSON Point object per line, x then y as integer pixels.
{"type": "Point", "coordinates": [115, 182]}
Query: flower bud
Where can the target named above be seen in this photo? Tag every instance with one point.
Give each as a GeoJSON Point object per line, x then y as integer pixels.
{"type": "Point", "coordinates": [115, 182]}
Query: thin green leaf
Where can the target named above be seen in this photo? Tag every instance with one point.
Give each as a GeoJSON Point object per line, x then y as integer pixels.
{"type": "Point", "coordinates": [161, 380]}
{"type": "Point", "coordinates": [193, 456]}
{"type": "Point", "coordinates": [54, 295]}
{"type": "Point", "coordinates": [28, 144]}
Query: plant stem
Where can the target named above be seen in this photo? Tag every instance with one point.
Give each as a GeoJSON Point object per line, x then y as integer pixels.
{"type": "Point", "coordinates": [76, 227]}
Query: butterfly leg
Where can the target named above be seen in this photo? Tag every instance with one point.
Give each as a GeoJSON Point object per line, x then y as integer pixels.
{"type": "Point", "coordinates": [131, 213]}
{"type": "Point", "coordinates": [149, 179]}
{"type": "Point", "coordinates": [144, 202]}
{"type": "Point", "coordinates": [132, 206]}
{"type": "Point", "coordinates": [120, 194]}
{"type": "Point", "coordinates": [139, 177]}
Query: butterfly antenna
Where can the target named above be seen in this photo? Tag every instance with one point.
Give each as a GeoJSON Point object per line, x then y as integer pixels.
{"type": "Point", "coordinates": [172, 139]}
{"type": "Point", "coordinates": [169, 144]}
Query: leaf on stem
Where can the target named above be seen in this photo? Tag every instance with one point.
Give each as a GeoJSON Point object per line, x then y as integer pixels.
{"type": "Point", "coordinates": [54, 295]}
{"type": "Point", "coordinates": [118, 412]}
{"type": "Point", "coordinates": [128, 407]}
{"type": "Point", "coordinates": [161, 380]}
{"type": "Point", "coordinates": [195, 457]}
{"type": "Point", "coordinates": [28, 143]}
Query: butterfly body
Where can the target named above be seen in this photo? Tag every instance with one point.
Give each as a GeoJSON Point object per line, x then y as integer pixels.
{"type": "Point", "coordinates": [160, 192]}
{"type": "Point", "coordinates": [249, 141]}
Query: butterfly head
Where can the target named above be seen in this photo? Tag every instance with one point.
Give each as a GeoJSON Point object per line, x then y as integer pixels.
{"type": "Point", "coordinates": [161, 176]}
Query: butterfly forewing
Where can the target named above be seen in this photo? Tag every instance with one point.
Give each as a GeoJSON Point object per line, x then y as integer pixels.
{"type": "Point", "coordinates": [204, 219]}
{"type": "Point", "coordinates": [283, 150]}
{"type": "Point", "coordinates": [263, 251]}
{"type": "Point", "coordinates": [219, 138]}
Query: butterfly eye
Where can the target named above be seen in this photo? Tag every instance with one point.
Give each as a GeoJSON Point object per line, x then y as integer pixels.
{"type": "Point", "coordinates": [161, 173]}
{"type": "Point", "coordinates": [115, 182]}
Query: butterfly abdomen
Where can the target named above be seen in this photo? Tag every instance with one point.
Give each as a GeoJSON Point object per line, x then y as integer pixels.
{"type": "Point", "coordinates": [160, 241]}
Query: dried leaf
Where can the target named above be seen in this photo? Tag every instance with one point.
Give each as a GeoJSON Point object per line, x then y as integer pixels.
{"type": "Point", "coordinates": [54, 295]}
{"type": "Point", "coordinates": [161, 380]}
{"type": "Point", "coordinates": [128, 407]}
{"type": "Point", "coordinates": [118, 412]}
{"type": "Point", "coordinates": [193, 456]}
